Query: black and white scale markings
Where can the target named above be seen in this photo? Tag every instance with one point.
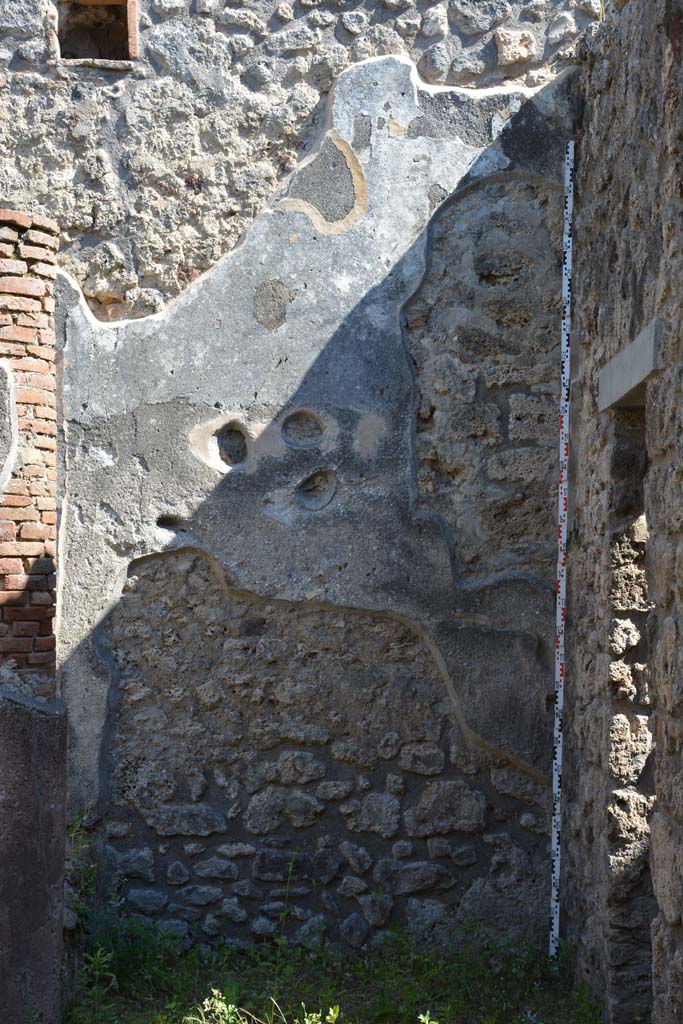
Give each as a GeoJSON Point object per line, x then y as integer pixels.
{"type": "Point", "coordinates": [561, 583]}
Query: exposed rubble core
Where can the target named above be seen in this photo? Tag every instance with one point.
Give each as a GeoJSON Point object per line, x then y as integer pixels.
{"type": "Point", "coordinates": [155, 169]}
{"type": "Point", "coordinates": [483, 331]}
{"type": "Point", "coordinates": [258, 742]}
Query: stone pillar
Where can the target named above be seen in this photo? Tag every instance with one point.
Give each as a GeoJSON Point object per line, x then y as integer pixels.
{"type": "Point", "coordinates": [28, 444]}
{"type": "Point", "coordinates": [32, 802]}
{"type": "Point", "coordinates": [32, 726]}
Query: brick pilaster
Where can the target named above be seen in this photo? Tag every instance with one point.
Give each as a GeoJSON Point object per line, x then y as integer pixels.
{"type": "Point", "coordinates": [28, 517]}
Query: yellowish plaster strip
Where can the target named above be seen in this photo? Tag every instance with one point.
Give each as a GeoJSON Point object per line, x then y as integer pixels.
{"type": "Point", "coordinates": [360, 191]}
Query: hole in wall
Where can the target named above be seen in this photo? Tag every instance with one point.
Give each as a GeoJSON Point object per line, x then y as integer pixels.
{"type": "Point", "coordinates": [93, 31]}
{"type": "Point", "coordinates": [170, 522]}
{"type": "Point", "coordinates": [232, 444]}
{"type": "Point", "coordinates": [317, 490]}
{"type": "Point", "coordinates": [302, 429]}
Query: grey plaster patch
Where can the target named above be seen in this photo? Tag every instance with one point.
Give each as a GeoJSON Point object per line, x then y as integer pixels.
{"type": "Point", "coordinates": [443, 112]}
{"type": "Point", "coordinates": [320, 181]}
{"type": "Point", "coordinates": [326, 183]}
{"type": "Point", "coordinates": [9, 436]}
{"type": "Point", "coordinates": [270, 303]}
{"type": "Point", "coordinates": [362, 133]}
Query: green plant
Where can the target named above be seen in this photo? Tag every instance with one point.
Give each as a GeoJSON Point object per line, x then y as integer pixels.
{"type": "Point", "coordinates": [97, 975]}
{"type": "Point", "coordinates": [215, 1010]}
{"type": "Point", "coordinates": [586, 1009]}
{"type": "Point", "coordinates": [283, 922]}
{"type": "Point", "coordinates": [475, 980]}
{"type": "Point", "coordinates": [80, 867]}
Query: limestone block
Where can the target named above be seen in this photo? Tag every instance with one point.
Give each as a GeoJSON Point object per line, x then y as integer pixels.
{"type": "Point", "coordinates": [561, 29]}
{"type": "Point", "coordinates": [472, 17]}
{"type": "Point", "coordinates": [444, 807]}
{"type": "Point", "coordinates": [630, 746]}
{"type": "Point", "coordinates": [514, 47]}
{"type": "Point", "coordinates": [376, 812]}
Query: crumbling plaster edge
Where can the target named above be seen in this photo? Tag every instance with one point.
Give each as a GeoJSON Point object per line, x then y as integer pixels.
{"type": "Point", "coordinates": [278, 198]}
{"type": "Point", "coordinates": [10, 461]}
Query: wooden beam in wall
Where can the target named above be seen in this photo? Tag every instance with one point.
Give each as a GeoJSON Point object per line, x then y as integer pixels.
{"type": "Point", "coordinates": [132, 18]}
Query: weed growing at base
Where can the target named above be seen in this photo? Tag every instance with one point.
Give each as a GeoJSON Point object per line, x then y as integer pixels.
{"type": "Point", "coordinates": [133, 974]}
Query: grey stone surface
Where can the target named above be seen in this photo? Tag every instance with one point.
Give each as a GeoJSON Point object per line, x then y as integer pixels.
{"type": "Point", "coordinates": [622, 380]}
{"type": "Point", "coordinates": [422, 759]}
{"type": "Point", "coordinates": [137, 863]}
{"type": "Point", "coordinates": [232, 909]}
{"type": "Point", "coordinates": [444, 807]}
{"type": "Point", "coordinates": [200, 895]}
{"type": "Point", "coordinates": [417, 876]}
{"type": "Point", "coordinates": [177, 873]}
{"type": "Point", "coordinates": [353, 930]}
{"type": "Point", "coordinates": [185, 820]}
{"type": "Point", "coordinates": [147, 901]}
{"type": "Point", "coordinates": [216, 867]}
{"type": "Point", "coordinates": [167, 371]}
{"type": "Point", "coordinates": [377, 812]}
{"type": "Point", "coordinates": [33, 736]}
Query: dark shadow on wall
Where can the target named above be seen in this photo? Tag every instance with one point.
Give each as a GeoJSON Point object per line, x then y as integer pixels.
{"type": "Point", "coordinates": [214, 763]}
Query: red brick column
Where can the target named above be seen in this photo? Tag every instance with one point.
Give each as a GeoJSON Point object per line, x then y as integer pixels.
{"type": "Point", "coordinates": [28, 517]}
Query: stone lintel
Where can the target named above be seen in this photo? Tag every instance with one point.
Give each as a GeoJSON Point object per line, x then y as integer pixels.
{"type": "Point", "coordinates": [622, 381]}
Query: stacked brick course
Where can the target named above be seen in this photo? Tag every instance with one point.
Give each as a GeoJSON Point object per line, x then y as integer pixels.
{"type": "Point", "coordinates": [28, 516]}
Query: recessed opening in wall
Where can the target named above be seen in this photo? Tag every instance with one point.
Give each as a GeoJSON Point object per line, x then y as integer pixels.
{"type": "Point", "coordinates": [232, 444]}
{"type": "Point", "coordinates": [302, 429]}
{"type": "Point", "coordinates": [98, 29]}
{"type": "Point", "coordinates": [317, 490]}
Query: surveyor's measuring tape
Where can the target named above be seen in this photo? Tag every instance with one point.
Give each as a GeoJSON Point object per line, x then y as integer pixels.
{"type": "Point", "coordinates": [561, 584]}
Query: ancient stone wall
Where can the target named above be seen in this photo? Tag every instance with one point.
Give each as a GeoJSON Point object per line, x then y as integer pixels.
{"type": "Point", "coordinates": [308, 508]}
{"type": "Point", "coordinates": [28, 444]}
{"type": "Point", "coordinates": [623, 547]}
{"type": "Point", "coordinates": [483, 335]}
{"type": "Point", "coordinates": [308, 759]}
{"type": "Point", "coordinates": [307, 537]}
{"type": "Point", "coordinates": [154, 167]}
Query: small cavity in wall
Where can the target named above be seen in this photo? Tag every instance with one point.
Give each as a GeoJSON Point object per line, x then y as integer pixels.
{"type": "Point", "coordinates": [97, 30]}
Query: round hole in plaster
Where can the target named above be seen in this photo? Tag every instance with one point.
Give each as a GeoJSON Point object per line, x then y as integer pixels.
{"type": "Point", "coordinates": [232, 444]}
{"type": "Point", "coordinates": [302, 429]}
{"type": "Point", "coordinates": [317, 490]}
{"type": "Point", "coordinates": [171, 522]}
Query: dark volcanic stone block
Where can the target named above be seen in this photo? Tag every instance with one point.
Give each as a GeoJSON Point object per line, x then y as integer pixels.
{"type": "Point", "coordinates": [32, 823]}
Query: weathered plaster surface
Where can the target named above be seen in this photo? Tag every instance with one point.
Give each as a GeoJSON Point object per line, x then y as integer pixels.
{"type": "Point", "coordinates": [9, 437]}
{"type": "Point", "coordinates": [297, 340]}
{"type": "Point", "coordinates": [154, 169]}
